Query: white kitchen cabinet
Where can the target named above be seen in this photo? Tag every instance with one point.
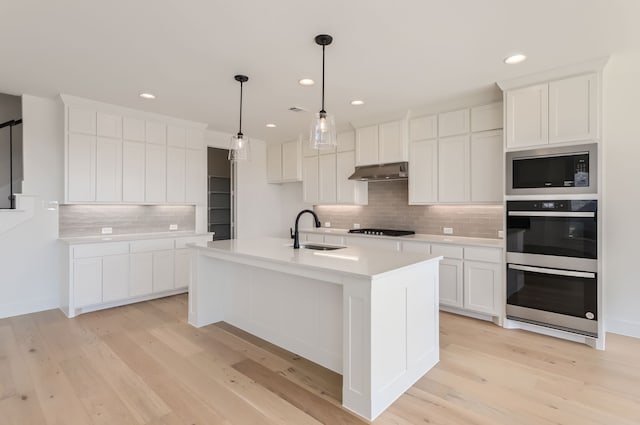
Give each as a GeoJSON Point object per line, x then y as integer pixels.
{"type": "Point", "coordinates": [82, 121]}
{"type": "Point", "coordinates": [108, 169]}
{"type": "Point", "coordinates": [423, 172]}
{"type": "Point", "coordinates": [87, 281]}
{"type": "Point", "coordinates": [291, 164]}
{"type": "Point", "coordinates": [346, 141]}
{"type": "Point", "coordinates": [310, 180]}
{"type": "Point", "coordinates": [176, 173]}
{"type": "Point", "coordinates": [573, 109]}
{"type": "Point", "coordinates": [176, 136]}
{"type": "Point", "coordinates": [156, 133]}
{"type": "Point", "coordinates": [487, 117]}
{"type": "Point", "coordinates": [163, 271]}
{"type": "Point", "coordinates": [487, 166]}
{"type": "Point", "coordinates": [274, 163]}
{"type": "Point", "coordinates": [381, 144]}
{"type": "Point", "coordinates": [451, 282]}
{"type": "Point", "coordinates": [194, 139]}
{"type": "Point", "coordinates": [156, 173]}
{"type": "Point", "coordinates": [109, 125]}
{"type": "Point", "coordinates": [527, 116]}
{"type": "Point", "coordinates": [182, 268]}
{"type": "Point", "coordinates": [423, 128]}
{"type": "Point", "coordinates": [133, 171]}
{"type": "Point", "coordinates": [482, 287]}
{"type": "Point", "coordinates": [419, 247]}
{"type": "Point", "coordinates": [349, 191]}
{"type": "Point", "coordinates": [453, 169]}
{"type": "Point", "coordinates": [327, 179]}
{"type": "Point", "coordinates": [195, 176]}
{"type": "Point", "coordinates": [453, 123]}
{"type": "Point", "coordinates": [133, 129]}
{"type": "Point", "coordinates": [367, 145]}
{"type": "Point", "coordinates": [140, 274]}
{"type": "Point", "coordinates": [115, 277]}
{"type": "Point", "coordinates": [81, 168]}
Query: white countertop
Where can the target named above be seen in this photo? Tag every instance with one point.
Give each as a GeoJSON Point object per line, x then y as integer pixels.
{"type": "Point", "coordinates": [446, 239]}
{"type": "Point", "coordinates": [128, 237]}
{"type": "Point", "coordinates": [358, 261]}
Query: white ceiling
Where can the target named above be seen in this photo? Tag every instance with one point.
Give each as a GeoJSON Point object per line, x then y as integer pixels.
{"type": "Point", "coordinates": [396, 55]}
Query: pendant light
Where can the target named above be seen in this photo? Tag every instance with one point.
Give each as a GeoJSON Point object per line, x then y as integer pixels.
{"type": "Point", "coordinates": [323, 126]}
{"type": "Point", "coordinates": [239, 149]}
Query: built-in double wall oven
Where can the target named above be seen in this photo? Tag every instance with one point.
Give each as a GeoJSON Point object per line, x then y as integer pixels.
{"type": "Point", "coordinates": [552, 250]}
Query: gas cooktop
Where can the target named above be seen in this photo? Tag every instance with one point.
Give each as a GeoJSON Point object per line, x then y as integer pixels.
{"type": "Point", "coordinates": [383, 232]}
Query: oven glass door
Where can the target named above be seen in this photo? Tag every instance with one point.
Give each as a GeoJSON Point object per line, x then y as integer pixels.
{"type": "Point", "coordinates": [551, 171]}
{"type": "Point", "coordinates": [568, 234]}
{"type": "Point", "coordinates": [558, 291]}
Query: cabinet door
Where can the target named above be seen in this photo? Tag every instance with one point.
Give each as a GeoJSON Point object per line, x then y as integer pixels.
{"type": "Point", "coordinates": [391, 142]}
{"type": "Point", "coordinates": [486, 166]}
{"type": "Point", "coordinates": [195, 176]}
{"type": "Point", "coordinates": [195, 139]}
{"type": "Point", "coordinates": [486, 117]}
{"type": "Point", "coordinates": [140, 274]}
{"type": "Point", "coordinates": [482, 287]}
{"type": "Point", "coordinates": [451, 282]}
{"type": "Point", "coordinates": [346, 141]}
{"type": "Point", "coordinates": [81, 168]}
{"type": "Point", "coordinates": [367, 145]}
{"type": "Point", "coordinates": [291, 163]}
{"type": "Point", "coordinates": [163, 271]}
{"type": "Point", "coordinates": [349, 191]}
{"type": "Point", "coordinates": [453, 169]}
{"type": "Point", "coordinates": [108, 170]}
{"type": "Point", "coordinates": [423, 128]}
{"type": "Point", "coordinates": [182, 268]}
{"type": "Point", "coordinates": [115, 277]}
{"type": "Point", "coordinates": [133, 129]}
{"type": "Point", "coordinates": [109, 125]}
{"type": "Point", "coordinates": [175, 174]}
{"type": "Point", "coordinates": [156, 132]}
{"type": "Point", "coordinates": [82, 121]}
{"type": "Point", "coordinates": [327, 179]}
{"type": "Point", "coordinates": [423, 172]}
{"type": "Point", "coordinates": [274, 163]}
{"type": "Point", "coordinates": [87, 281]}
{"type": "Point", "coordinates": [527, 120]}
{"type": "Point", "coordinates": [310, 180]}
{"type": "Point", "coordinates": [155, 173]}
{"type": "Point", "coordinates": [573, 109]}
{"type": "Point", "coordinates": [133, 166]}
{"type": "Point", "coordinates": [454, 122]}
{"type": "Point", "coordinates": [176, 136]}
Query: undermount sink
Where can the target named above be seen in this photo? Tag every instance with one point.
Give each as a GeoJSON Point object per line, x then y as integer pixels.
{"type": "Point", "coordinates": [321, 247]}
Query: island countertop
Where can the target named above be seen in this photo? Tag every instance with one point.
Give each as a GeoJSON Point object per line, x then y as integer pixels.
{"type": "Point", "coordinates": [355, 261]}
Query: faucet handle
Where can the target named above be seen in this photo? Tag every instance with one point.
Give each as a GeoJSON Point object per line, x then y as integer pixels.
{"type": "Point", "coordinates": [291, 233]}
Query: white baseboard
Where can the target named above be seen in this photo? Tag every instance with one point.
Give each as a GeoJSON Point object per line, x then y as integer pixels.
{"type": "Point", "coordinates": [623, 327]}
{"type": "Point", "coordinates": [26, 307]}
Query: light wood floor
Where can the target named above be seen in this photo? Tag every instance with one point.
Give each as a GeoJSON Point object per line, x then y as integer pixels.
{"type": "Point", "coordinates": [143, 364]}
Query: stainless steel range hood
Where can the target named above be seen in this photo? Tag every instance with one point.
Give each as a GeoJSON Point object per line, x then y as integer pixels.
{"type": "Point", "coordinates": [381, 172]}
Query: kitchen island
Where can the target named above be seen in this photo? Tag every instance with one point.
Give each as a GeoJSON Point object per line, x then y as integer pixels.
{"type": "Point", "coordinates": [371, 315]}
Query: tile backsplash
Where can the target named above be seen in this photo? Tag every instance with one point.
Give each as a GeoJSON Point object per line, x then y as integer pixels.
{"type": "Point", "coordinates": [88, 220]}
{"type": "Point", "coordinates": [388, 208]}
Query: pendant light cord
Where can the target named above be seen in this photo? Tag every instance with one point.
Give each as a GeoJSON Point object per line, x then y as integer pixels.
{"type": "Point", "coordinates": [240, 129]}
{"type": "Point", "coordinates": [323, 46]}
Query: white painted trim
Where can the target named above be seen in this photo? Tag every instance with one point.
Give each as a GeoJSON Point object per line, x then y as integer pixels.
{"type": "Point", "coordinates": [126, 301]}
{"type": "Point", "coordinates": [623, 327]}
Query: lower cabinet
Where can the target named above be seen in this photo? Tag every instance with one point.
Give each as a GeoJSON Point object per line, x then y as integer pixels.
{"type": "Point", "coordinates": [87, 274]}
{"type": "Point", "coordinates": [141, 277]}
{"type": "Point", "coordinates": [182, 268]}
{"type": "Point", "coordinates": [451, 278]}
{"type": "Point", "coordinates": [482, 287]}
{"type": "Point", "coordinates": [115, 278]}
{"type": "Point", "coordinates": [163, 267]}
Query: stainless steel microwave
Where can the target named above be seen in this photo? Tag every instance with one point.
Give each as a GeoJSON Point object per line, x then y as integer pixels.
{"type": "Point", "coordinates": [553, 171]}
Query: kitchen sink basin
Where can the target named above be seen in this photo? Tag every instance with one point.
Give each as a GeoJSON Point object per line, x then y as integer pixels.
{"type": "Point", "coordinates": [321, 247]}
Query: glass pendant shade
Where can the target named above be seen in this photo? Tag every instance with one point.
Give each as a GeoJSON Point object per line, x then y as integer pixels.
{"type": "Point", "coordinates": [239, 149]}
{"type": "Point", "coordinates": [323, 132]}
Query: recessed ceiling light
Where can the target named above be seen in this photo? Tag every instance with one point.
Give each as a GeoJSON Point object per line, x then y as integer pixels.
{"type": "Point", "coordinates": [357, 102]}
{"type": "Point", "coordinates": [513, 59]}
{"type": "Point", "coordinates": [306, 82]}
{"type": "Point", "coordinates": [271, 125]}
{"type": "Point", "coordinates": [147, 95]}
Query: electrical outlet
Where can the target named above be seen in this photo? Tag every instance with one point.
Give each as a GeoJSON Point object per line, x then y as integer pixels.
{"type": "Point", "coordinates": [107, 230]}
{"type": "Point", "coordinates": [501, 233]}
{"type": "Point", "coordinates": [447, 230]}
{"type": "Point", "coordinates": [356, 225]}
{"type": "Point", "coordinates": [327, 224]}
{"type": "Point", "coordinates": [173, 227]}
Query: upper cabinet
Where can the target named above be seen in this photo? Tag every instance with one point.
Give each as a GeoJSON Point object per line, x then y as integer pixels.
{"type": "Point", "coordinates": [116, 155]}
{"type": "Point", "coordinates": [284, 162]}
{"type": "Point", "coordinates": [381, 144]}
{"type": "Point", "coordinates": [558, 111]}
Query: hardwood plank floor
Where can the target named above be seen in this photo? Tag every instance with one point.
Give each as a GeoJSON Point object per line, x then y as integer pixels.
{"type": "Point", "coordinates": [143, 364]}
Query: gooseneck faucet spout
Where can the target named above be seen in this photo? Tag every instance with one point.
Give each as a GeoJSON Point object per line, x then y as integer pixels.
{"type": "Point", "coordinates": [296, 236]}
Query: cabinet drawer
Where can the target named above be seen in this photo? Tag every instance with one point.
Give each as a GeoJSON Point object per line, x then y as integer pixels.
{"type": "Point", "coordinates": [490, 255]}
{"type": "Point", "coordinates": [151, 245]}
{"type": "Point", "coordinates": [447, 251]}
{"type": "Point", "coordinates": [182, 242]}
{"type": "Point", "coordinates": [100, 250]}
{"type": "Point", "coordinates": [420, 247]}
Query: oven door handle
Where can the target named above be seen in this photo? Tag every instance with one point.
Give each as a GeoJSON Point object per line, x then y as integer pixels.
{"type": "Point", "coordinates": [581, 214]}
{"type": "Point", "coordinates": [558, 272]}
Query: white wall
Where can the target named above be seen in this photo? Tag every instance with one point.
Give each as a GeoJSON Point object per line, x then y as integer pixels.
{"type": "Point", "coordinates": [29, 261]}
{"type": "Point", "coordinates": [621, 145]}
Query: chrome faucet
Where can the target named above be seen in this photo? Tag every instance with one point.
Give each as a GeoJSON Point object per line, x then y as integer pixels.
{"type": "Point", "coordinates": [295, 235]}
